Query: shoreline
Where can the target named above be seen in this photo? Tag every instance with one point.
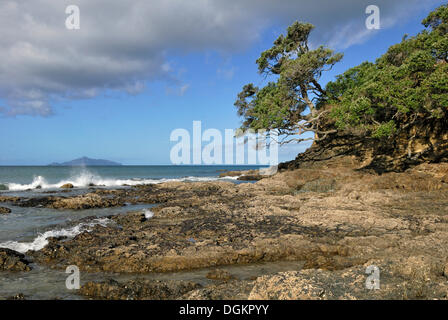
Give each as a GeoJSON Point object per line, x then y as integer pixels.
{"type": "Point", "coordinates": [330, 217]}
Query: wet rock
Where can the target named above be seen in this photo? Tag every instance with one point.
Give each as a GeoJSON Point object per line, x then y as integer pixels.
{"type": "Point", "coordinates": [231, 174]}
{"type": "Point", "coordinates": [67, 186]}
{"type": "Point", "coordinates": [229, 290]}
{"type": "Point", "coordinates": [11, 260]}
{"type": "Point", "coordinates": [248, 175]}
{"type": "Point", "coordinates": [330, 216]}
{"type": "Point", "coordinates": [251, 177]}
{"type": "Point", "coordinates": [36, 202]}
{"type": "Point", "coordinates": [137, 289]}
{"type": "Point", "coordinates": [4, 210]}
{"type": "Point", "coordinates": [219, 274]}
{"type": "Point", "coordinates": [9, 199]}
{"type": "Point", "coordinates": [86, 201]}
{"type": "Point", "coordinates": [19, 296]}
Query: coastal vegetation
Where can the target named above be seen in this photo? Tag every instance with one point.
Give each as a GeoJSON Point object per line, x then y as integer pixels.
{"type": "Point", "coordinates": [406, 85]}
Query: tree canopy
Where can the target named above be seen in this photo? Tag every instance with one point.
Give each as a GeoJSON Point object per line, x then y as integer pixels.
{"type": "Point", "coordinates": [288, 104]}
{"type": "Point", "coordinates": [408, 82]}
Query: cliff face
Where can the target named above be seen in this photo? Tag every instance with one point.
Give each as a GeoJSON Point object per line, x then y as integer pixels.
{"type": "Point", "coordinates": [422, 141]}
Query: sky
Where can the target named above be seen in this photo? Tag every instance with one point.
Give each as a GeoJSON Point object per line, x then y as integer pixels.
{"type": "Point", "coordinates": [136, 70]}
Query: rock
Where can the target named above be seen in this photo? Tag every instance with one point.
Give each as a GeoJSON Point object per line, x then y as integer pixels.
{"type": "Point", "coordinates": [347, 284]}
{"type": "Point", "coordinates": [19, 296]}
{"type": "Point", "coordinates": [288, 286]}
{"type": "Point", "coordinates": [248, 175]}
{"type": "Point", "coordinates": [4, 210]}
{"type": "Point", "coordinates": [445, 269]}
{"type": "Point", "coordinates": [230, 174]}
{"type": "Point", "coordinates": [86, 201]}
{"type": "Point", "coordinates": [331, 216]}
{"type": "Point", "coordinates": [423, 141]}
{"type": "Point", "coordinates": [11, 260]}
{"type": "Point", "coordinates": [255, 177]}
{"type": "Point", "coordinates": [137, 289]}
{"type": "Point", "coordinates": [67, 186]}
{"type": "Point", "coordinates": [445, 178]}
{"type": "Point", "coordinates": [229, 290]}
{"type": "Point", "coordinates": [10, 199]}
{"type": "Point", "coordinates": [219, 274]}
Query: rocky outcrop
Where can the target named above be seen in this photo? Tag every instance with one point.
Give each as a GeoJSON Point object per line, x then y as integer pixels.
{"type": "Point", "coordinates": [19, 296]}
{"type": "Point", "coordinates": [445, 269]}
{"type": "Point", "coordinates": [137, 290]}
{"type": "Point", "coordinates": [11, 260]}
{"type": "Point", "coordinates": [67, 186]}
{"type": "Point", "coordinates": [87, 201]}
{"type": "Point", "coordinates": [81, 202]}
{"type": "Point", "coordinates": [422, 141]}
{"type": "Point", "coordinates": [330, 217]}
{"type": "Point", "coordinates": [228, 290]}
{"type": "Point", "coordinates": [410, 278]}
{"type": "Point", "coordinates": [4, 210]}
{"type": "Point", "coordinates": [248, 175]}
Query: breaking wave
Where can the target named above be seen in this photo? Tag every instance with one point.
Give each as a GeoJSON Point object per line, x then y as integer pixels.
{"type": "Point", "coordinates": [86, 179]}
{"type": "Point", "coordinates": [42, 239]}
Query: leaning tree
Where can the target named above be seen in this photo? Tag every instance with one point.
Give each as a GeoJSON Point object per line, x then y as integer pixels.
{"type": "Point", "coordinates": [289, 103]}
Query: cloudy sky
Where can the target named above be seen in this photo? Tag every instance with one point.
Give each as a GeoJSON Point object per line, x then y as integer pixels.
{"type": "Point", "coordinates": [138, 69]}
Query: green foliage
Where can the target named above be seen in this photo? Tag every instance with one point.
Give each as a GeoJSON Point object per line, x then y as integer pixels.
{"type": "Point", "coordinates": [287, 103]}
{"type": "Point", "coordinates": [410, 79]}
{"type": "Point", "coordinates": [385, 130]}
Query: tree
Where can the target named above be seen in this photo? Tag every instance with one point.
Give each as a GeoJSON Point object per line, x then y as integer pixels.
{"type": "Point", "coordinates": [289, 104]}
{"type": "Point", "coordinates": [407, 84]}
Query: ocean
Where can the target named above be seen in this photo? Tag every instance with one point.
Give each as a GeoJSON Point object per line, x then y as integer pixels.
{"type": "Point", "coordinates": [28, 228]}
{"type": "Point", "coordinates": [23, 178]}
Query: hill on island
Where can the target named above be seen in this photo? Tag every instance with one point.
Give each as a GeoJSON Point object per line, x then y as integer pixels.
{"type": "Point", "coordinates": [84, 161]}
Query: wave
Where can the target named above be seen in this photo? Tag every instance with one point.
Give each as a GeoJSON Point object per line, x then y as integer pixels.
{"type": "Point", "coordinates": [42, 239]}
{"type": "Point", "coordinates": [86, 179]}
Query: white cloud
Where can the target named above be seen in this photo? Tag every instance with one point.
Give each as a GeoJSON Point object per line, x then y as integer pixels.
{"type": "Point", "coordinates": [226, 73]}
{"type": "Point", "coordinates": [177, 90]}
{"type": "Point", "coordinates": [124, 44]}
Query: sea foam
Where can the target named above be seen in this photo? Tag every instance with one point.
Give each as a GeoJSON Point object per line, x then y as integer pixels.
{"type": "Point", "coordinates": [86, 178]}
{"type": "Point", "coordinates": [42, 239]}
{"type": "Point", "coordinates": [148, 213]}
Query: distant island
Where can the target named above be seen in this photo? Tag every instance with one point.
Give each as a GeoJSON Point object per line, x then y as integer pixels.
{"type": "Point", "coordinates": [84, 161]}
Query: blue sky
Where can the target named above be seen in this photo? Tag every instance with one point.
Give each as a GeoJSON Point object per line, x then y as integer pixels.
{"type": "Point", "coordinates": [201, 84]}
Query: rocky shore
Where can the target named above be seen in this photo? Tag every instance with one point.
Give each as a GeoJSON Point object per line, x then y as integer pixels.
{"type": "Point", "coordinates": [330, 215]}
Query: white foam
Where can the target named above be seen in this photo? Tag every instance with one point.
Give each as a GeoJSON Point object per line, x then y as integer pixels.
{"type": "Point", "coordinates": [42, 239]}
{"type": "Point", "coordinates": [86, 178]}
{"type": "Point", "coordinates": [148, 213]}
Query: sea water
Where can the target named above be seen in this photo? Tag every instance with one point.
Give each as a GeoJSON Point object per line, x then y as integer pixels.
{"type": "Point", "coordinates": [29, 228]}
